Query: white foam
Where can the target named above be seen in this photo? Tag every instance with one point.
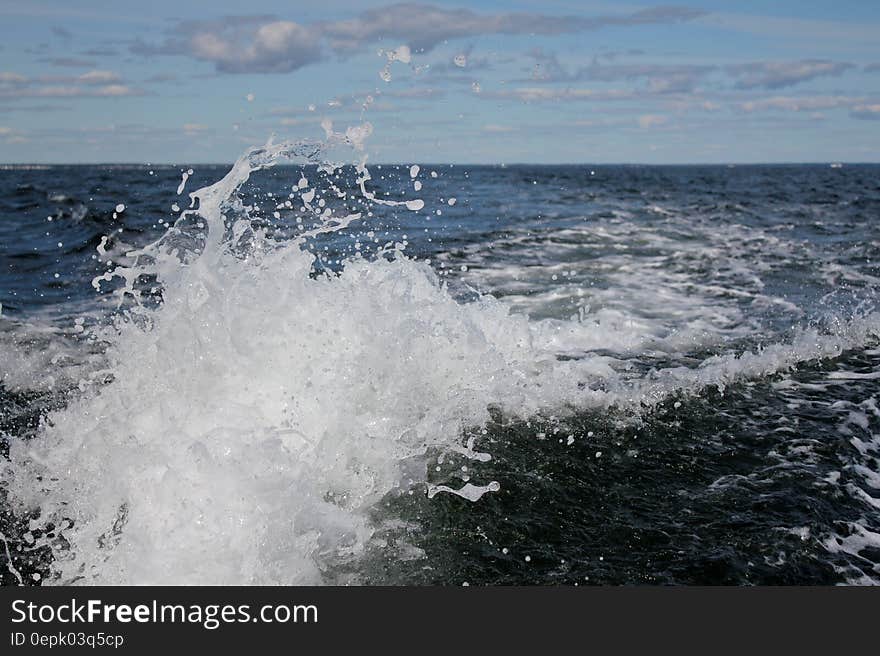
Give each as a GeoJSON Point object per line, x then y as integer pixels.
{"type": "Point", "coordinates": [256, 415]}
{"type": "Point", "coordinates": [183, 178]}
{"type": "Point", "coordinates": [469, 491]}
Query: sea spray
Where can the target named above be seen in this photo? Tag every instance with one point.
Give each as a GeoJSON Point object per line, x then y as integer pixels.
{"type": "Point", "coordinates": [251, 409]}
{"type": "Point", "coordinates": [256, 412]}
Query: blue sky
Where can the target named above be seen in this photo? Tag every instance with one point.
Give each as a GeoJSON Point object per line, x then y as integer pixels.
{"type": "Point", "coordinates": [551, 81]}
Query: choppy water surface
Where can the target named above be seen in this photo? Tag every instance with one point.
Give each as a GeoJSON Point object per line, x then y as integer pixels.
{"type": "Point", "coordinates": [442, 374]}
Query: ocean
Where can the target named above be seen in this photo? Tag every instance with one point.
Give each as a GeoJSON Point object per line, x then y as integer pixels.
{"type": "Point", "coordinates": [295, 372]}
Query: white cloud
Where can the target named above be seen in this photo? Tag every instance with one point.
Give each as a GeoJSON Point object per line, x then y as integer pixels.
{"type": "Point", "coordinates": [669, 79]}
{"type": "Point", "coordinates": [868, 112]}
{"type": "Point", "coordinates": [93, 84]}
{"type": "Point", "coordinates": [12, 136]}
{"type": "Point", "coordinates": [651, 121]}
{"type": "Point", "coordinates": [673, 83]}
{"type": "Point", "coordinates": [278, 46]}
{"type": "Point", "coordinates": [420, 93]}
{"type": "Point", "coordinates": [494, 128]}
{"type": "Point", "coordinates": [260, 44]}
{"type": "Point", "coordinates": [7, 77]}
{"type": "Point", "coordinates": [791, 28]}
{"type": "Point", "coordinates": [91, 78]}
{"type": "Point", "coordinates": [424, 26]}
{"type": "Point", "coordinates": [798, 104]}
{"type": "Point", "coordinates": [290, 122]}
{"type": "Point", "coordinates": [776, 75]}
{"type": "Point", "coordinates": [243, 44]}
{"type": "Point", "coordinates": [117, 90]}
{"type": "Point", "coordinates": [68, 62]}
{"type": "Point", "coordinates": [548, 94]}
{"type": "Point", "coordinates": [98, 77]}
{"type": "Point", "coordinates": [660, 78]}
{"type": "Point", "coordinates": [71, 91]}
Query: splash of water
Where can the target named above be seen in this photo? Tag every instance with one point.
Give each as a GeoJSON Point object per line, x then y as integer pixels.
{"type": "Point", "coordinates": [257, 412]}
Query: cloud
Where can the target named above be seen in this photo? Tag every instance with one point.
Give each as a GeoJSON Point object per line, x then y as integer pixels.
{"type": "Point", "coordinates": [416, 93]}
{"type": "Point", "coordinates": [60, 91]}
{"type": "Point", "coordinates": [94, 84]}
{"type": "Point", "coordinates": [614, 54]}
{"type": "Point", "coordinates": [651, 121]}
{"type": "Point", "coordinates": [777, 75]}
{"type": "Point", "coordinates": [790, 28]}
{"type": "Point", "coordinates": [162, 77]}
{"type": "Point", "coordinates": [248, 44]}
{"type": "Point", "coordinates": [31, 108]}
{"type": "Point", "coordinates": [354, 103]}
{"type": "Point", "coordinates": [100, 52]}
{"type": "Point", "coordinates": [682, 82]}
{"type": "Point", "coordinates": [68, 62]}
{"type": "Point", "coordinates": [494, 128]}
{"type": "Point", "coordinates": [289, 122]}
{"type": "Point", "coordinates": [872, 68]}
{"type": "Point", "coordinates": [658, 78]}
{"type": "Point", "coordinates": [683, 78]}
{"type": "Point", "coordinates": [11, 135]}
{"type": "Point", "coordinates": [97, 77]}
{"type": "Point", "coordinates": [548, 68]}
{"type": "Point", "coordinates": [8, 78]}
{"type": "Point", "coordinates": [289, 111]}
{"type": "Point", "coordinates": [266, 44]}
{"type": "Point", "coordinates": [866, 112]}
{"type": "Point", "coordinates": [546, 94]}
{"type": "Point", "coordinates": [422, 27]}
{"type": "Point", "coordinates": [61, 32]}
{"type": "Point", "coordinates": [94, 77]}
{"type": "Point", "coordinates": [192, 129]}
{"type": "Point", "coordinates": [450, 71]}
{"type": "Point", "coordinates": [799, 104]}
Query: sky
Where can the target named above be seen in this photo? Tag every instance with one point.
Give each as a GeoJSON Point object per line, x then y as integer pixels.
{"type": "Point", "coordinates": [478, 82]}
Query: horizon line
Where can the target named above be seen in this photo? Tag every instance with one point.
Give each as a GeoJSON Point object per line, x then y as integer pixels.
{"type": "Point", "coordinates": [8, 165]}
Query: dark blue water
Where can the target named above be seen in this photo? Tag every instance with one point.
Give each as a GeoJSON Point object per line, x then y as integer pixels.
{"type": "Point", "coordinates": [761, 475]}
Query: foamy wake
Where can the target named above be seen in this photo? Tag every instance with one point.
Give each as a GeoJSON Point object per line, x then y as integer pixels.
{"type": "Point", "coordinates": [257, 414]}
